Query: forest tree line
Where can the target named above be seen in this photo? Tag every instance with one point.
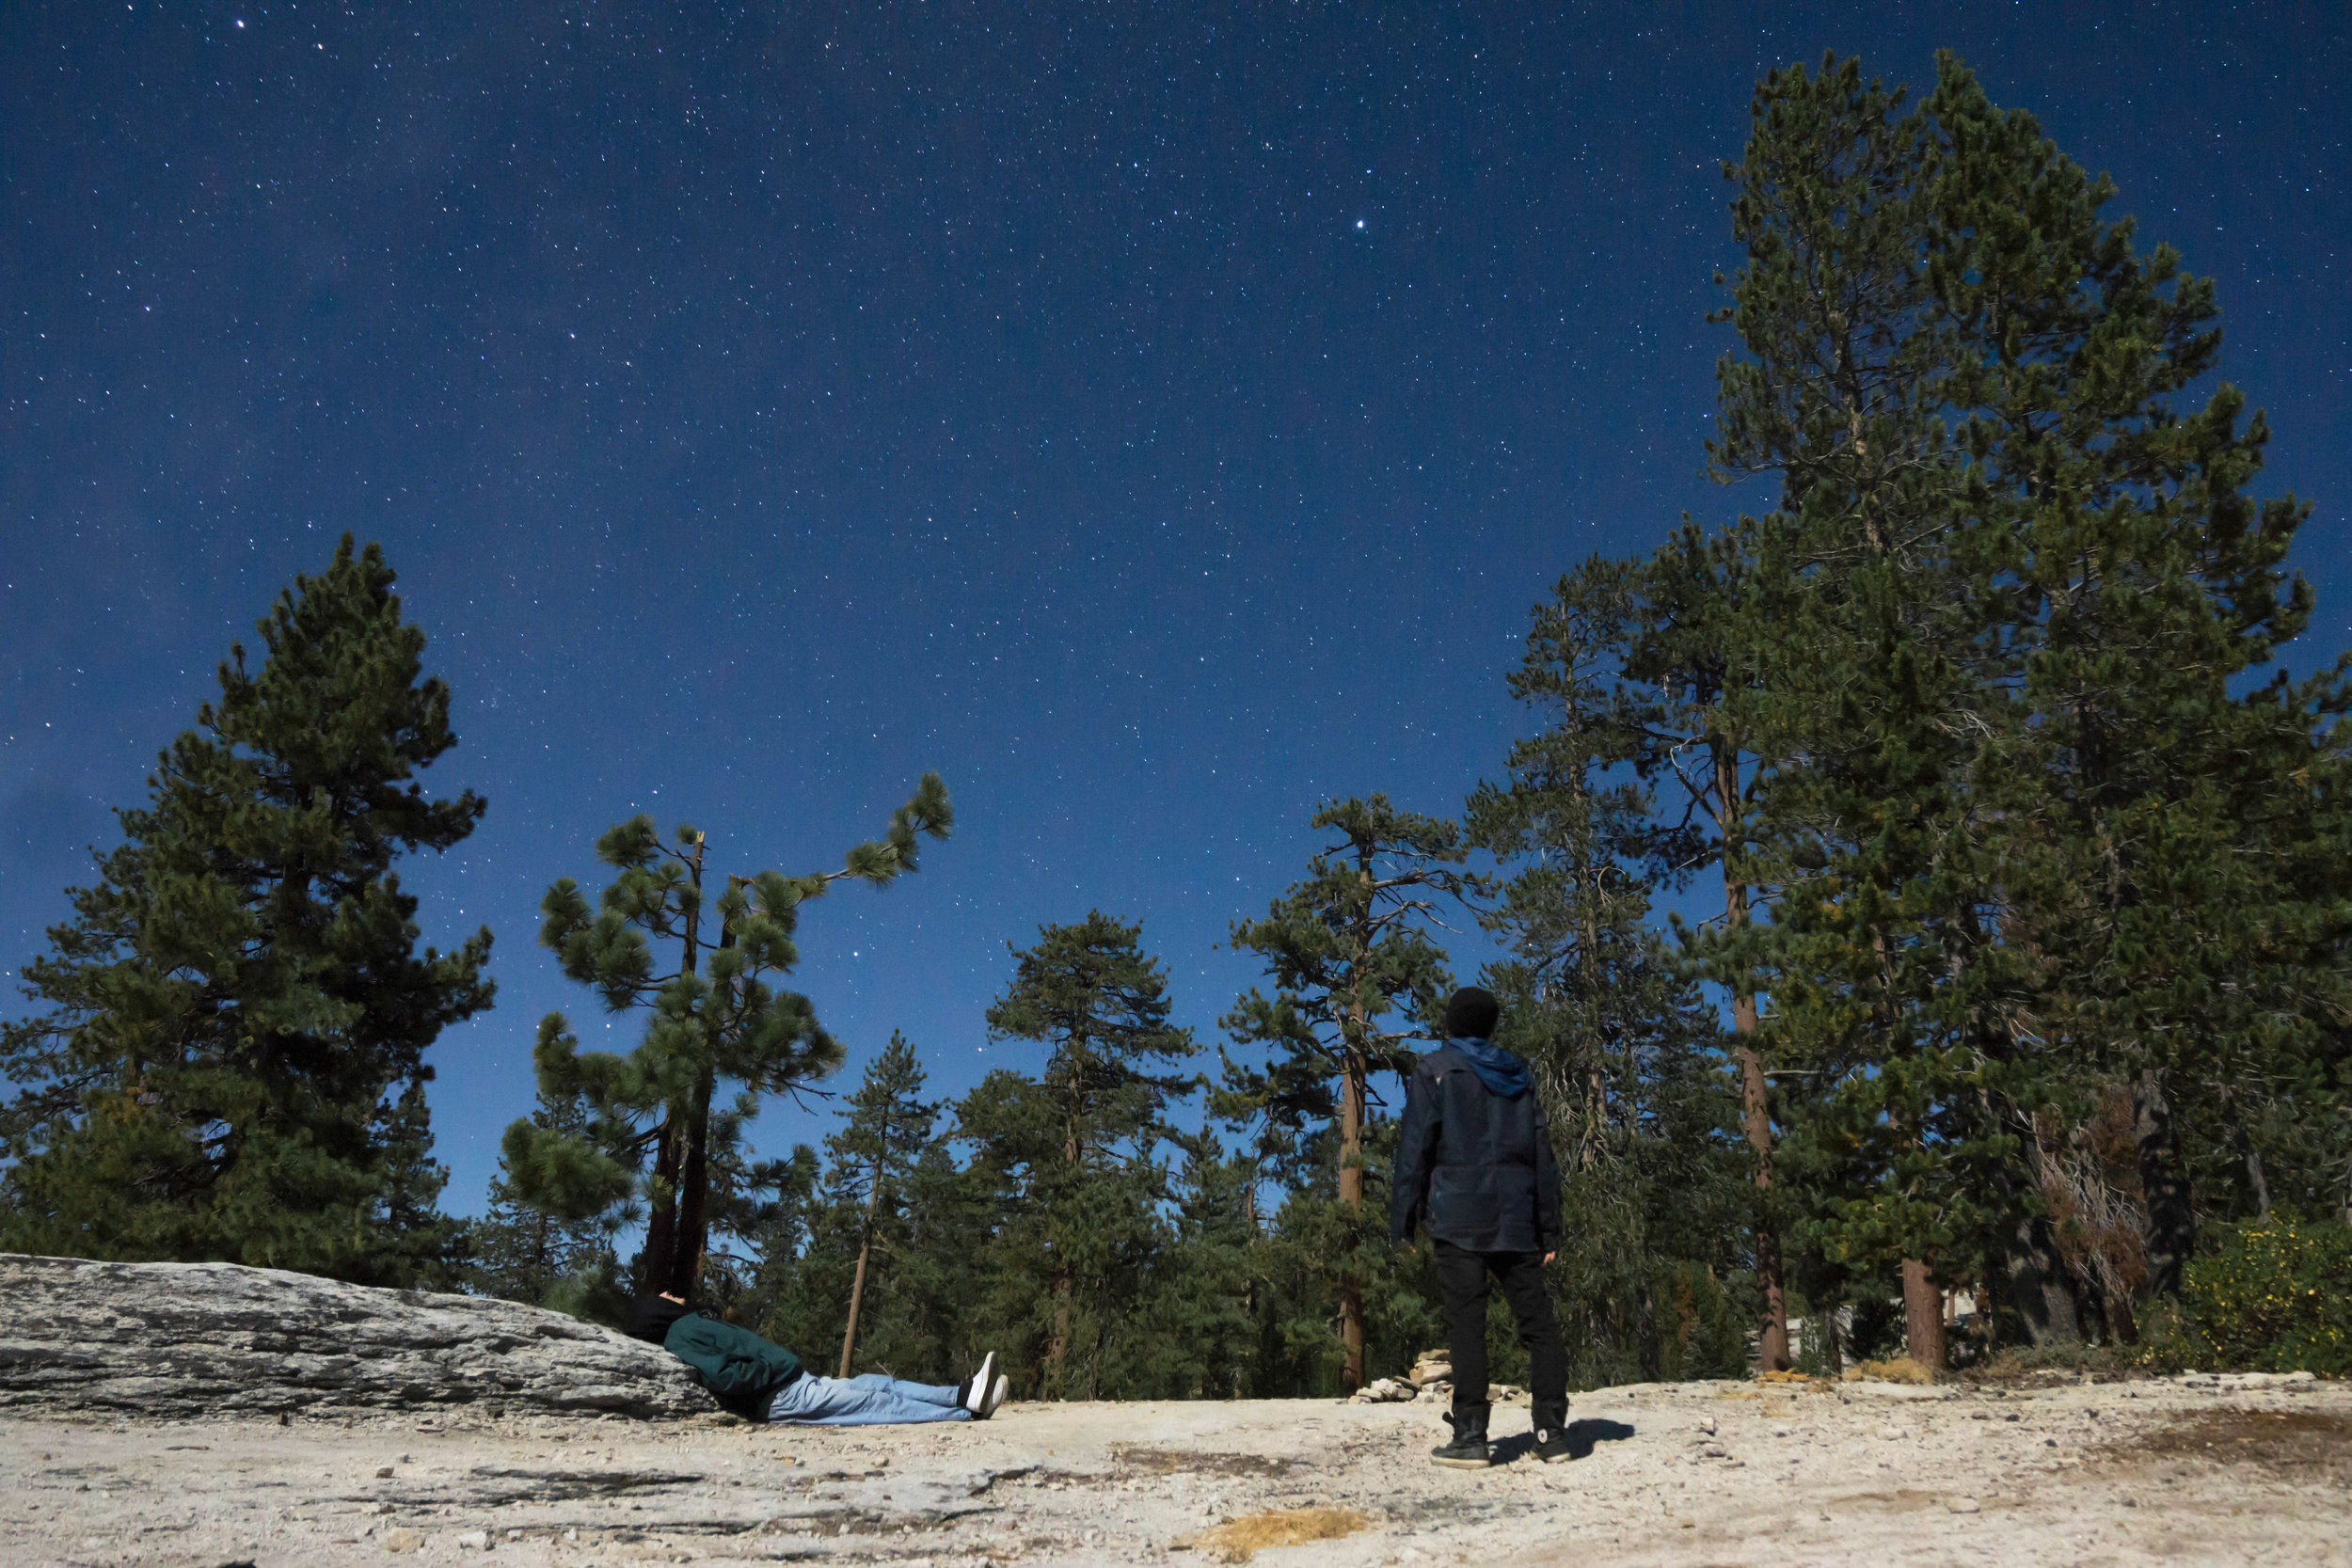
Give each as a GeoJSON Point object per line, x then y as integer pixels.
{"type": "Point", "coordinates": [2031, 975]}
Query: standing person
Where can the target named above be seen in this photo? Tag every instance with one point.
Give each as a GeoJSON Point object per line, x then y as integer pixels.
{"type": "Point", "coordinates": [765, 1383]}
{"type": "Point", "coordinates": [1474, 1165]}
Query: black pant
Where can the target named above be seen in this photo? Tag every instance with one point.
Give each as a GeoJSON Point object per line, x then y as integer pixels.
{"type": "Point", "coordinates": [1462, 1281]}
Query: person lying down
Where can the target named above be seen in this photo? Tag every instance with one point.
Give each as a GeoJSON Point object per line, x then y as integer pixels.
{"type": "Point", "coordinates": [764, 1381]}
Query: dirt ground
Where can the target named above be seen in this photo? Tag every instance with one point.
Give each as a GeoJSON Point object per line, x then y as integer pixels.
{"type": "Point", "coordinates": [1747, 1473]}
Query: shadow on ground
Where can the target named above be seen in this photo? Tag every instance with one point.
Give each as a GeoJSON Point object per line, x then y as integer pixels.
{"type": "Point", "coordinates": [1583, 1436]}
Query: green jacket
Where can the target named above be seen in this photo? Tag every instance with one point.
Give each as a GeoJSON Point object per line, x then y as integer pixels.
{"type": "Point", "coordinates": [742, 1370]}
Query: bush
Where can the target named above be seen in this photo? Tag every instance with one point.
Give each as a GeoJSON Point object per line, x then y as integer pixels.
{"type": "Point", "coordinates": [1699, 1334]}
{"type": "Point", "coordinates": [2275, 1297]}
{"type": "Point", "coordinates": [1877, 1330]}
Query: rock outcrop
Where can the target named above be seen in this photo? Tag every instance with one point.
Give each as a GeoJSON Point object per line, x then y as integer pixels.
{"type": "Point", "coordinates": [178, 1340]}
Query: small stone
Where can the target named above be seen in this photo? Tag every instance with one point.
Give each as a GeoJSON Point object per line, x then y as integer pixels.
{"type": "Point", "coordinates": [2300, 1377]}
{"type": "Point", "coordinates": [473, 1540]}
{"type": "Point", "coordinates": [1964, 1505]}
{"type": "Point", "coordinates": [404, 1541]}
{"type": "Point", "coordinates": [2131, 1502]}
{"type": "Point", "coordinates": [384, 1472]}
{"type": "Point", "coordinates": [1706, 1423]}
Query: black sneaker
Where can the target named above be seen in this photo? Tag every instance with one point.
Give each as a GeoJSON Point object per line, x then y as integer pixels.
{"type": "Point", "coordinates": [1551, 1444]}
{"type": "Point", "coordinates": [1467, 1451]}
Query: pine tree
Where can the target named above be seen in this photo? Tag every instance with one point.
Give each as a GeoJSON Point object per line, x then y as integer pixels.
{"type": "Point", "coordinates": [1640, 665]}
{"type": "Point", "coordinates": [888, 1128]}
{"type": "Point", "coordinates": [1207, 1316]}
{"type": "Point", "coordinates": [1879, 679]}
{"type": "Point", "coordinates": [1625, 1053]}
{"type": "Point", "coordinates": [656, 1131]}
{"type": "Point", "coordinates": [528, 1255]}
{"type": "Point", "coordinates": [2026, 846]}
{"type": "Point", "coordinates": [231, 1061]}
{"type": "Point", "coordinates": [2170, 883]}
{"type": "Point", "coordinates": [777, 1301]}
{"type": "Point", "coordinates": [1071, 1156]}
{"type": "Point", "coordinates": [1346, 948]}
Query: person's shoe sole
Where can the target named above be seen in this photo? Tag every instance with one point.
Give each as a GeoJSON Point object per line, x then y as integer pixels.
{"type": "Point", "coordinates": [1484, 1462]}
{"type": "Point", "coordinates": [982, 1383]}
{"type": "Point", "coordinates": [997, 1392]}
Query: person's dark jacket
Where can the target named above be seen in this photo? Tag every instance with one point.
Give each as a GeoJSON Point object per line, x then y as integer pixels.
{"type": "Point", "coordinates": [742, 1370]}
{"type": "Point", "coordinates": [1475, 1166]}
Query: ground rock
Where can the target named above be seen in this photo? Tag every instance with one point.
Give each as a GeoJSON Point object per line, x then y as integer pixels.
{"type": "Point", "coordinates": [178, 1340]}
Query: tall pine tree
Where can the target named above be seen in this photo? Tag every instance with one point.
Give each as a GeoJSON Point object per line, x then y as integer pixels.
{"type": "Point", "coordinates": [1355, 976]}
{"type": "Point", "coordinates": [1072, 1155]}
{"type": "Point", "coordinates": [2028, 847]}
{"type": "Point", "coordinates": [231, 1061]}
{"type": "Point", "coordinates": [889, 1125]}
{"type": "Point", "coordinates": [657, 1131]}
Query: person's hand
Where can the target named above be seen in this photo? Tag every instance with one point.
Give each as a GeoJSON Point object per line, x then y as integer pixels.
{"type": "Point", "coordinates": [1549, 1255]}
{"type": "Point", "coordinates": [1405, 1248]}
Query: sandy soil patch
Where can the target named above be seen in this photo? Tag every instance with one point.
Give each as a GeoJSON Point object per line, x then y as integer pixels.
{"type": "Point", "coordinates": [1689, 1474]}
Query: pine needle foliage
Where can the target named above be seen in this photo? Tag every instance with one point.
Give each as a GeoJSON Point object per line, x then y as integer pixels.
{"type": "Point", "coordinates": [1355, 976]}
{"type": "Point", "coordinates": [2030, 831]}
{"type": "Point", "coordinates": [519, 1253]}
{"type": "Point", "coordinates": [230, 1062]}
{"type": "Point", "coordinates": [1069, 1162]}
{"type": "Point", "coordinates": [656, 1135]}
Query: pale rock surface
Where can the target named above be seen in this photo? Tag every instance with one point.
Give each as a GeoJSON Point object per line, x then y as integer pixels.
{"type": "Point", "coordinates": [358, 1460]}
{"type": "Point", "coordinates": [187, 1340]}
{"type": "Point", "coordinates": [2115, 1473]}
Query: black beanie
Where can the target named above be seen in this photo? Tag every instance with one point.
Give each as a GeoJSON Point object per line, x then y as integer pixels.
{"type": "Point", "coordinates": [649, 1317]}
{"type": "Point", "coordinates": [1471, 1011]}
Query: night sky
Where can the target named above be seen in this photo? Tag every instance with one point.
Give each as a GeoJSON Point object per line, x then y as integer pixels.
{"type": "Point", "coordinates": [1157, 421]}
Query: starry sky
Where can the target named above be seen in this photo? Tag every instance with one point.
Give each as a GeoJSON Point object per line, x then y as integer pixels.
{"type": "Point", "coordinates": [1157, 419]}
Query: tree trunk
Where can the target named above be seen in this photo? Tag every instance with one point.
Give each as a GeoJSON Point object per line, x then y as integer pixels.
{"type": "Point", "coordinates": [1057, 1345]}
{"type": "Point", "coordinates": [857, 1280]}
{"type": "Point", "coordinates": [1772, 1329]}
{"type": "Point", "coordinates": [693, 1198]}
{"type": "Point", "coordinates": [2040, 1286]}
{"type": "Point", "coordinates": [2254, 1173]}
{"type": "Point", "coordinates": [1646, 1332]}
{"type": "Point", "coordinates": [1352, 1193]}
{"type": "Point", "coordinates": [674, 1236]}
{"type": "Point", "coordinates": [1923, 1317]}
{"type": "Point", "coordinates": [661, 1249]}
{"type": "Point", "coordinates": [2172, 1225]}
{"type": "Point", "coordinates": [1053, 1375]}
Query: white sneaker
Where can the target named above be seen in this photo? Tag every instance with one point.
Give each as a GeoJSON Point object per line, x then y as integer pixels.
{"type": "Point", "coordinates": [997, 1392]}
{"type": "Point", "coordinates": [976, 1392]}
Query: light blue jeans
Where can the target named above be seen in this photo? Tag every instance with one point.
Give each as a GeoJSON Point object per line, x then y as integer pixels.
{"type": "Point", "coordinates": [864, 1401]}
